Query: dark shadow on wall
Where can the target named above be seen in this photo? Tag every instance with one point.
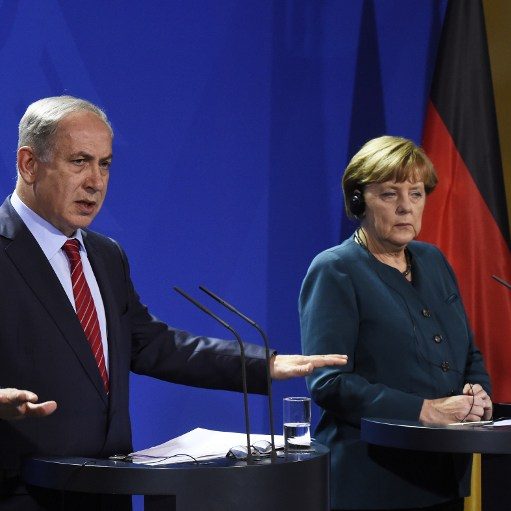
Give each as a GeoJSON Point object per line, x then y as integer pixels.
{"type": "Point", "coordinates": [298, 206]}
{"type": "Point", "coordinates": [368, 112]}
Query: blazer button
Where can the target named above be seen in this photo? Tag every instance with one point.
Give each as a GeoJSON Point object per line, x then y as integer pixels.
{"type": "Point", "coordinates": [426, 313]}
{"type": "Point", "coordinates": [444, 366]}
{"type": "Point", "coordinates": [437, 338]}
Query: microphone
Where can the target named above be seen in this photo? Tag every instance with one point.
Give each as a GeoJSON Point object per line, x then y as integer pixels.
{"type": "Point", "coordinates": [243, 362]}
{"type": "Point", "coordinates": [251, 322]}
{"type": "Point", "coordinates": [501, 281]}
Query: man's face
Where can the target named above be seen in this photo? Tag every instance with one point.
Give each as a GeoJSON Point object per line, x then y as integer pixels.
{"type": "Point", "coordinates": [69, 188]}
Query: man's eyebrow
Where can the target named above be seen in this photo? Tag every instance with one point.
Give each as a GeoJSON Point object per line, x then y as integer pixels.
{"type": "Point", "coordinates": [82, 154]}
{"type": "Point", "coordinates": [86, 155]}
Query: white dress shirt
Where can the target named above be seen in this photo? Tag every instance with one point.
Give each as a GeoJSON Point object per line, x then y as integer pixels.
{"type": "Point", "coordinates": [51, 240]}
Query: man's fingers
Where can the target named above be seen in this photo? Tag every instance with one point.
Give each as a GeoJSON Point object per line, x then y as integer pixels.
{"type": "Point", "coordinates": [328, 360]}
{"type": "Point", "coordinates": [17, 404]}
{"type": "Point", "coordinates": [15, 396]}
{"type": "Point", "coordinates": [311, 362]}
{"type": "Point", "coordinates": [40, 409]}
{"type": "Point", "coordinates": [300, 370]}
{"type": "Point", "coordinates": [25, 396]}
{"type": "Point", "coordinates": [289, 366]}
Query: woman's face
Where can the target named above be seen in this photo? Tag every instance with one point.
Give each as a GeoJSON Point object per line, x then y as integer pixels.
{"type": "Point", "coordinates": [393, 212]}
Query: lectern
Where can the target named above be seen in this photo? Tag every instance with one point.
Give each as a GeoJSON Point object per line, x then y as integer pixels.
{"type": "Point", "coordinates": [294, 481]}
{"type": "Point", "coordinates": [494, 444]}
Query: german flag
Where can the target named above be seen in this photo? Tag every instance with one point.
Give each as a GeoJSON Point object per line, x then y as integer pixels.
{"type": "Point", "coordinates": [466, 216]}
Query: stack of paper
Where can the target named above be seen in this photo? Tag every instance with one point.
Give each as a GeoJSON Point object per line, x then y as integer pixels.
{"type": "Point", "coordinates": [198, 444]}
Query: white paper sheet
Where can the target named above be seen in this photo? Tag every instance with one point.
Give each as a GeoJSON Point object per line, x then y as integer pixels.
{"type": "Point", "coordinates": [200, 444]}
{"type": "Point", "coordinates": [486, 424]}
{"type": "Point", "coordinates": [502, 422]}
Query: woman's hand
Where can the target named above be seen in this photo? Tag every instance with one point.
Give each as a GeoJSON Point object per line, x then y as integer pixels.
{"type": "Point", "coordinates": [476, 390]}
{"type": "Point", "coordinates": [471, 406]}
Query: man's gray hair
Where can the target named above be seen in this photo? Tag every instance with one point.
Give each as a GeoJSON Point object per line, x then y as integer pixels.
{"type": "Point", "coordinates": [39, 124]}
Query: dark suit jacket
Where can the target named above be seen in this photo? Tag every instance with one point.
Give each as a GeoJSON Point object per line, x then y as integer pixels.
{"type": "Point", "coordinates": [43, 349]}
{"type": "Point", "coordinates": [397, 335]}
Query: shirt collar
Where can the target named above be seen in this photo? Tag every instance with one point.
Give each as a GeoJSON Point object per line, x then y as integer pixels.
{"type": "Point", "coordinates": [49, 238]}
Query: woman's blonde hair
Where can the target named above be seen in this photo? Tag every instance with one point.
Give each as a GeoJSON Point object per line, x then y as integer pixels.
{"type": "Point", "coordinates": [383, 159]}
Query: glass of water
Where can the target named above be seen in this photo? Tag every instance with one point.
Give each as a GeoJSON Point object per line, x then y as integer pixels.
{"type": "Point", "coordinates": [297, 423]}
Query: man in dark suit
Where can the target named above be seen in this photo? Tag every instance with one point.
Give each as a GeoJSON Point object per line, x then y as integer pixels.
{"type": "Point", "coordinates": [72, 326]}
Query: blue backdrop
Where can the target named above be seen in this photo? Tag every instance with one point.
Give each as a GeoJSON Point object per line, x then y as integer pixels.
{"type": "Point", "coordinates": [233, 122]}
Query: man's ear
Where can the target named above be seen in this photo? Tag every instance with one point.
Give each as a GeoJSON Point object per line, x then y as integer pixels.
{"type": "Point", "coordinates": [26, 163]}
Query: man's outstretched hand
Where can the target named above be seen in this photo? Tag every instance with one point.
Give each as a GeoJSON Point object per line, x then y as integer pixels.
{"type": "Point", "coordinates": [293, 366]}
{"type": "Point", "coordinates": [18, 404]}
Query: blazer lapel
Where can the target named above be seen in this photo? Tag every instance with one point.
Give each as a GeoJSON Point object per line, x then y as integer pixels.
{"type": "Point", "coordinates": [29, 259]}
{"type": "Point", "coordinates": [394, 280]}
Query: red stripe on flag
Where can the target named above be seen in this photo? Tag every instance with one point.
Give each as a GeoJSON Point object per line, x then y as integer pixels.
{"type": "Point", "coordinates": [459, 222]}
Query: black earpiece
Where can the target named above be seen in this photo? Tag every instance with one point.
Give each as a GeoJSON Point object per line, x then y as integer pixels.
{"type": "Point", "coordinates": [357, 204]}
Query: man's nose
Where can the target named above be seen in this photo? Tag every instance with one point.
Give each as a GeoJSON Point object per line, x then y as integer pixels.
{"type": "Point", "coordinates": [96, 178]}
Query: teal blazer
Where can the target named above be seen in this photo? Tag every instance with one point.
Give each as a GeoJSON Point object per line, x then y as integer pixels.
{"type": "Point", "coordinates": [405, 342]}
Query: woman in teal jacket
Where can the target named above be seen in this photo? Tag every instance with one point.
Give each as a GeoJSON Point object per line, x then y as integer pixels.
{"type": "Point", "coordinates": [393, 305]}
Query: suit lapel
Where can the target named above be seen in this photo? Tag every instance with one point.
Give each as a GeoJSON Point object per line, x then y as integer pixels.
{"type": "Point", "coordinates": [29, 259]}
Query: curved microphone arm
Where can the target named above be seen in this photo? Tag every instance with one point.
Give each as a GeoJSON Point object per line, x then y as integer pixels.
{"type": "Point", "coordinates": [243, 362]}
{"type": "Point", "coordinates": [251, 322]}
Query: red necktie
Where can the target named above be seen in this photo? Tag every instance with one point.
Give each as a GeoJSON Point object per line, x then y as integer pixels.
{"type": "Point", "coordinates": [85, 308]}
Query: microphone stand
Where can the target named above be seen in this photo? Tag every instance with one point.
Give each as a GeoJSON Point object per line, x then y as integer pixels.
{"type": "Point", "coordinates": [243, 362]}
{"type": "Point", "coordinates": [267, 350]}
